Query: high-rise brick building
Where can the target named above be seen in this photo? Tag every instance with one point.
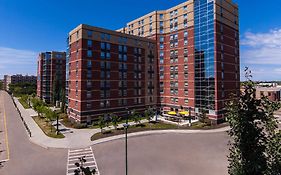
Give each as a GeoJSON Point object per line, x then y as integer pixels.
{"type": "Point", "coordinates": [107, 72]}
{"type": "Point", "coordinates": [196, 64]}
{"type": "Point", "coordinates": [51, 76]}
{"type": "Point", "coordinates": [198, 54]}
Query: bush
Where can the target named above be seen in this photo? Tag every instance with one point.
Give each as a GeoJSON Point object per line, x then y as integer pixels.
{"type": "Point", "coordinates": [80, 126]}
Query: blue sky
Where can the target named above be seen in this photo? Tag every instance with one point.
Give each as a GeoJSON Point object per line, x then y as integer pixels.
{"type": "Point", "coordinates": [31, 26]}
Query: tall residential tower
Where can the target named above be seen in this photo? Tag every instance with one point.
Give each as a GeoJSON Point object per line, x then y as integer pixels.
{"type": "Point", "coordinates": [198, 54]}
{"type": "Point", "coordinates": [107, 72]}
{"type": "Point", "coordinates": [51, 76]}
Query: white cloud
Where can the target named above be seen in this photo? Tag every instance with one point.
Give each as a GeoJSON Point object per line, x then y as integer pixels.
{"type": "Point", "coordinates": [15, 56]}
{"type": "Point", "coordinates": [261, 48]}
{"type": "Point", "coordinates": [16, 61]}
{"type": "Point", "coordinates": [271, 39]}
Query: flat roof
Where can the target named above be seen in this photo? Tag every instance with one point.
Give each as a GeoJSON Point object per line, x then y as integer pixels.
{"type": "Point", "coordinates": [268, 88]}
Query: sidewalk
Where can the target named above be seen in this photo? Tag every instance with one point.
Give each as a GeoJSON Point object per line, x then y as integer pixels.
{"type": "Point", "coordinates": [80, 138]}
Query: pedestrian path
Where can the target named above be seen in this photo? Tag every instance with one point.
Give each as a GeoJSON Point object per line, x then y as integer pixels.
{"type": "Point", "coordinates": [75, 154]}
{"type": "Point", "coordinates": [80, 138]}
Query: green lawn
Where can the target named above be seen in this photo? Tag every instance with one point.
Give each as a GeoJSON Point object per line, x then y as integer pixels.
{"type": "Point", "coordinates": [23, 103]}
{"type": "Point", "coordinates": [152, 126]}
{"type": "Point", "coordinates": [48, 129]}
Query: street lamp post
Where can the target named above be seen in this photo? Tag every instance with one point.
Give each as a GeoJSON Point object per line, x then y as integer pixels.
{"type": "Point", "coordinates": [156, 114]}
{"type": "Point", "coordinates": [189, 115]}
{"type": "Point", "coordinates": [57, 124]}
{"type": "Point", "coordinates": [126, 125]}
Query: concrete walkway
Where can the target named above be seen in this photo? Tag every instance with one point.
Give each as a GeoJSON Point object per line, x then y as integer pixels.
{"type": "Point", "coordinates": [80, 138]}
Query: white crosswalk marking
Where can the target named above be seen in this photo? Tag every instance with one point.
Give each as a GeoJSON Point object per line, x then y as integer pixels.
{"type": "Point", "coordinates": [75, 154]}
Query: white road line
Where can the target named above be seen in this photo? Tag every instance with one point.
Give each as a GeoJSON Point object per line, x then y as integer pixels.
{"type": "Point", "coordinates": [83, 163]}
{"type": "Point", "coordinates": [75, 157]}
{"type": "Point", "coordinates": [97, 168]}
{"type": "Point", "coordinates": [88, 152]}
{"type": "Point", "coordinates": [74, 168]}
{"type": "Point", "coordinates": [78, 150]}
{"type": "Point", "coordinates": [67, 162]}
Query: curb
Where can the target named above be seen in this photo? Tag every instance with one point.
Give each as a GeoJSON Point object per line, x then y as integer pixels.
{"type": "Point", "coordinates": [158, 132]}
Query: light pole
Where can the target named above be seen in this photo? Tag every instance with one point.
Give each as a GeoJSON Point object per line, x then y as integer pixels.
{"type": "Point", "coordinates": [57, 124]}
{"type": "Point", "coordinates": [189, 115]}
{"type": "Point", "coordinates": [156, 113]}
{"type": "Point", "coordinates": [126, 125]}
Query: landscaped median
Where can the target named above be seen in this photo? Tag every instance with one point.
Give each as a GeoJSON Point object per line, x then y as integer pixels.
{"type": "Point", "coordinates": [24, 103]}
{"type": "Point", "coordinates": [47, 127]}
{"type": "Point", "coordinates": [153, 126]}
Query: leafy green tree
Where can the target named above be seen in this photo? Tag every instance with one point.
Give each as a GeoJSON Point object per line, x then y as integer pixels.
{"type": "Point", "coordinates": [136, 117]}
{"type": "Point", "coordinates": [255, 143]}
{"type": "Point", "coordinates": [82, 169]}
{"type": "Point", "coordinates": [19, 89]}
{"type": "Point", "coordinates": [50, 116]}
{"type": "Point", "coordinates": [1, 85]}
{"type": "Point", "coordinates": [114, 120]}
{"type": "Point", "coordinates": [148, 114]}
{"type": "Point", "coordinates": [101, 123]}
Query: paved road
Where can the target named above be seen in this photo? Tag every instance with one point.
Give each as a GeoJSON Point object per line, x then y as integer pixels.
{"type": "Point", "coordinates": [165, 154]}
{"type": "Point", "coordinates": [27, 158]}
{"type": "Point", "coordinates": [4, 149]}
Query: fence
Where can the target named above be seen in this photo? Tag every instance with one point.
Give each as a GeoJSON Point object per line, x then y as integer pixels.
{"type": "Point", "coordinates": [24, 123]}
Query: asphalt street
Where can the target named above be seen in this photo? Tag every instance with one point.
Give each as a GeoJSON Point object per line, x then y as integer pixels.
{"type": "Point", "coordinates": [27, 158]}
{"type": "Point", "coordinates": [165, 154]}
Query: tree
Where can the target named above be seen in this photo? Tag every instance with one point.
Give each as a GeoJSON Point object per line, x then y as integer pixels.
{"type": "Point", "coordinates": [136, 117]}
{"type": "Point", "coordinates": [114, 120]}
{"type": "Point", "coordinates": [50, 116]}
{"type": "Point", "coordinates": [101, 123]}
{"type": "Point", "coordinates": [107, 119]}
{"type": "Point", "coordinates": [148, 114]}
{"type": "Point", "coordinates": [255, 145]}
{"type": "Point", "coordinates": [1, 85]}
{"type": "Point", "coordinates": [81, 169]}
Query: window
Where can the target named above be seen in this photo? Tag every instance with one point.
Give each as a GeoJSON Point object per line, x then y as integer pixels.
{"type": "Point", "coordinates": [102, 55]}
{"type": "Point", "coordinates": [88, 105]}
{"type": "Point", "coordinates": [161, 16]}
{"type": "Point", "coordinates": [89, 84]}
{"type": "Point", "coordinates": [89, 94]}
{"type": "Point", "coordinates": [90, 43]}
{"type": "Point", "coordinates": [171, 14]}
{"type": "Point", "coordinates": [89, 53]}
{"type": "Point", "coordinates": [107, 55]}
{"type": "Point", "coordinates": [161, 39]}
{"type": "Point", "coordinates": [90, 33]}
{"type": "Point", "coordinates": [185, 16]}
{"type": "Point", "coordinates": [89, 74]}
{"type": "Point", "coordinates": [185, 8]}
{"type": "Point", "coordinates": [89, 64]}
{"type": "Point", "coordinates": [102, 45]}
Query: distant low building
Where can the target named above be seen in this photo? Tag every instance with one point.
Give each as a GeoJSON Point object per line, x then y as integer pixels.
{"type": "Point", "coordinates": [267, 84]}
{"type": "Point", "coordinates": [18, 78]}
{"type": "Point", "coordinates": [273, 93]}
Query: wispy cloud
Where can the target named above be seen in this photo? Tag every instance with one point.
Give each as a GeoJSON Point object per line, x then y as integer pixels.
{"type": "Point", "coordinates": [261, 48]}
{"type": "Point", "coordinates": [13, 61]}
{"type": "Point", "coordinates": [16, 56]}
